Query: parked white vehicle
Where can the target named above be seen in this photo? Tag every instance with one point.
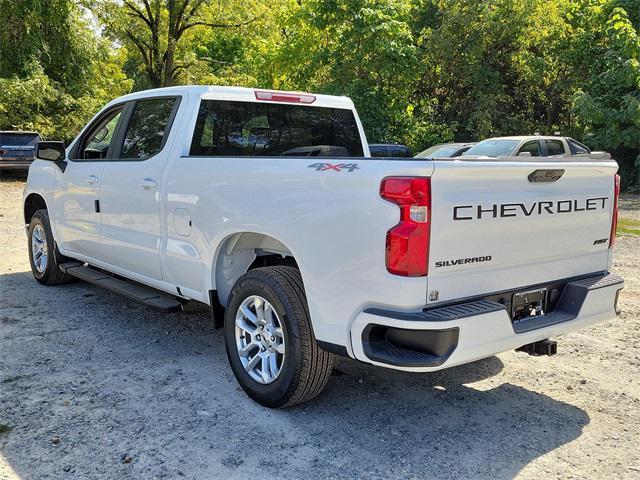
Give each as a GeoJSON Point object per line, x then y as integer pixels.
{"type": "Point", "coordinates": [530, 146]}
{"type": "Point", "coordinates": [210, 194]}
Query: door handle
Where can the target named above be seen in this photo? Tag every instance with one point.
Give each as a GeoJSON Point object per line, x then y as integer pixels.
{"type": "Point", "coordinates": [91, 179]}
{"type": "Point", "coordinates": [148, 183]}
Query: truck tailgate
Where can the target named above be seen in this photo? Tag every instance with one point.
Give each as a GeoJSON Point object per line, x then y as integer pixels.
{"type": "Point", "coordinates": [497, 225]}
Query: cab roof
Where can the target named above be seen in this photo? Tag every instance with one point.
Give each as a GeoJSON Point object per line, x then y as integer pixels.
{"type": "Point", "coordinates": [243, 94]}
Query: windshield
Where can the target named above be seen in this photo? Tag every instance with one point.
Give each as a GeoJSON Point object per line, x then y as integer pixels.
{"type": "Point", "coordinates": [19, 139]}
{"type": "Point", "coordinates": [493, 148]}
{"type": "Point", "coordinates": [443, 151]}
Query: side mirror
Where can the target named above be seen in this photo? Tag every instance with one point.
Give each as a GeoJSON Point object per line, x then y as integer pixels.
{"type": "Point", "coordinates": [51, 151]}
{"type": "Point", "coordinates": [524, 154]}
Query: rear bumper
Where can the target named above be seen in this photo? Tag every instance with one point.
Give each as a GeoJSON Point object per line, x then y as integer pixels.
{"type": "Point", "coordinates": [447, 336]}
{"type": "Point", "coordinates": [15, 164]}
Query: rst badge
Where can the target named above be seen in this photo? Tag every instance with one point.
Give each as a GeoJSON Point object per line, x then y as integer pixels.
{"type": "Point", "coordinates": [336, 167]}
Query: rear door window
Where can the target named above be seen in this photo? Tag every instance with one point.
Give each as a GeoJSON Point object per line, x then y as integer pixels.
{"type": "Point", "coordinates": [554, 147]}
{"type": "Point", "coordinates": [226, 128]}
{"type": "Point", "coordinates": [148, 128]}
{"type": "Point", "coordinates": [533, 147]}
{"type": "Point", "coordinates": [577, 148]}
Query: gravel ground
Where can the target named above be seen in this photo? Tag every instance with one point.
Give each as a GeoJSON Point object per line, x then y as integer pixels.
{"type": "Point", "coordinates": [93, 386]}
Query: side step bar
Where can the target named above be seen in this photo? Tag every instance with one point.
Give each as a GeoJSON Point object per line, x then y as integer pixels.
{"type": "Point", "coordinates": [138, 293]}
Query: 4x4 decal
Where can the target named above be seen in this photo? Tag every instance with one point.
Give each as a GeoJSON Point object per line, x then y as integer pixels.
{"type": "Point", "coordinates": [337, 167]}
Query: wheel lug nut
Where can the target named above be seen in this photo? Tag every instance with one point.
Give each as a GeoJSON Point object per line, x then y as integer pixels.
{"type": "Point", "coordinates": [257, 337]}
{"type": "Point", "coordinates": [273, 339]}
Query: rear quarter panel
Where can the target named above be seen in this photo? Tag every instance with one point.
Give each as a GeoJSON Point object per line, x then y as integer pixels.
{"type": "Point", "coordinates": [334, 223]}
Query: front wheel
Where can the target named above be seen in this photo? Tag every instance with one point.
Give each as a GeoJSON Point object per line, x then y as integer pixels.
{"type": "Point", "coordinates": [43, 255]}
{"type": "Point", "coordinates": [269, 340]}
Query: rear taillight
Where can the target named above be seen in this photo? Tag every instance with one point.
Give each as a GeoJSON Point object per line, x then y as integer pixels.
{"type": "Point", "coordinates": [407, 251]}
{"type": "Point", "coordinates": [614, 218]}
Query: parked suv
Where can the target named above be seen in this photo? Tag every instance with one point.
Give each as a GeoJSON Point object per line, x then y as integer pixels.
{"type": "Point", "coordinates": [389, 150]}
{"type": "Point", "coordinates": [17, 149]}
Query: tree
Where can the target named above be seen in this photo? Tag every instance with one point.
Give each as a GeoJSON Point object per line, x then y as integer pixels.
{"type": "Point", "coordinates": [360, 48]}
{"type": "Point", "coordinates": [42, 35]}
{"type": "Point", "coordinates": [55, 72]}
{"type": "Point", "coordinates": [492, 68]}
{"type": "Point", "coordinates": [155, 28]}
{"type": "Point", "coordinates": [607, 103]}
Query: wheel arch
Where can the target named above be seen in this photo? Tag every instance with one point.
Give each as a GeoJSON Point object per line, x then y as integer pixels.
{"type": "Point", "coordinates": [32, 203]}
{"type": "Point", "coordinates": [243, 251]}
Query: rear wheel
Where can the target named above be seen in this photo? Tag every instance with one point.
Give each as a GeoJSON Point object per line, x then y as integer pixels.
{"type": "Point", "coordinates": [269, 340]}
{"type": "Point", "coordinates": [43, 254]}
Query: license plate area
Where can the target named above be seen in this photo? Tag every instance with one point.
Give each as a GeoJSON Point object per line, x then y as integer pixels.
{"type": "Point", "coordinates": [528, 303]}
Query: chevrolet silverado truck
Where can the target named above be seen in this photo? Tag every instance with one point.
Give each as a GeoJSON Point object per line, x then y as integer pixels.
{"type": "Point", "coordinates": [267, 207]}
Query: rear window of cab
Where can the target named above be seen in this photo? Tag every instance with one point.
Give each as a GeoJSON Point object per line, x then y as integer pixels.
{"type": "Point", "coordinates": [232, 129]}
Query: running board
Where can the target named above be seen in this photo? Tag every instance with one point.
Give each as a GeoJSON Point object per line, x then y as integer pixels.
{"type": "Point", "coordinates": [138, 293]}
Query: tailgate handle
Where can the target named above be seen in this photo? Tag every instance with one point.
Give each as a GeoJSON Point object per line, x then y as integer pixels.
{"type": "Point", "coordinates": [546, 176]}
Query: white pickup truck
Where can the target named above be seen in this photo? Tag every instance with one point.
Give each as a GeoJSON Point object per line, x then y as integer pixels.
{"type": "Point", "coordinates": [266, 206]}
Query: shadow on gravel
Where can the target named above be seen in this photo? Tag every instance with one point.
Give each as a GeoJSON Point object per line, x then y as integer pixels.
{"type": "Point", "coordinates": [92, 386]}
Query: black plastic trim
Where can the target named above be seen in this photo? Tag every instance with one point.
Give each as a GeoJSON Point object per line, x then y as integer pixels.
{"type": "Point", "coordinates": [571, 294]}
{"type": "Point", "coordinates": [137, 292]}
{"type": "Point", "coordinates": [217, 309]}
{"type": "Point", "coordinates": [407, 347]}
{"type": "Point", "coordinates": [334, 348]}
{"type": "Point", "coordinates": [497, 295]}
{"type": "Point", "coordinates": [570, 303]}
{"type": "Point", "coordinates": [442, 314]}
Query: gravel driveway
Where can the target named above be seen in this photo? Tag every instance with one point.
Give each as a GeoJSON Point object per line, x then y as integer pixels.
{"type": "Point", "coordinates": [93, 386]}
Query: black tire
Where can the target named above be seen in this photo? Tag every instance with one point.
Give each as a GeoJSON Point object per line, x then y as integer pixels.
{"type": "Point", "coordinates": [306, 367]}
{"type": "Point", "coordinates": [51, 275]}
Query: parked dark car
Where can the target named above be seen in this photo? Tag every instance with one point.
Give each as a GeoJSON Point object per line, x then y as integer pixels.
{"type": "Point", "coordinates": [445, 150]}
{"type": "Point", "coordinates": [389, 150]}
{"type": "Point", "coordinates": [17, 149]}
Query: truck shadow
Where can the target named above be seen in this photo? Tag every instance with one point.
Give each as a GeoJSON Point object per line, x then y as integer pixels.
{"type": "Point", "coordinates": [96, 379]}
{"type": "Point", "coordinates": [434, 423]}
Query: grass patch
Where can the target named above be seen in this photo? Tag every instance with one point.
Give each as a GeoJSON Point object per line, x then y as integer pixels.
{"type": "Point", "coordinates": [5, 428]}
{"type": "Point", "coordinates": [626, 226]}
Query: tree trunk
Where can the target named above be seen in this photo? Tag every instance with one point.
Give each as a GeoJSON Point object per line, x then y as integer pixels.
{"type": "Point", "coordinates": [169, 63]}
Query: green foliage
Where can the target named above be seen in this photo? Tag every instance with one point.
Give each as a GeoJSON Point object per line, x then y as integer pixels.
{"type": "Point", "coordinates": [364, 49]}
{"type": "Point", "coordinates": [45, 35]}
{"type": "Point", "coordinates": [607, 103]}
{"type": "Point", "coordinates": [55, 73]}
{"type": "Point", "coordinates": [419, 71]}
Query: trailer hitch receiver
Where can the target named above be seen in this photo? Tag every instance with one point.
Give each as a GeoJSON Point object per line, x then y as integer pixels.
{"type": "Point", "coordinates": [543, 347]}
